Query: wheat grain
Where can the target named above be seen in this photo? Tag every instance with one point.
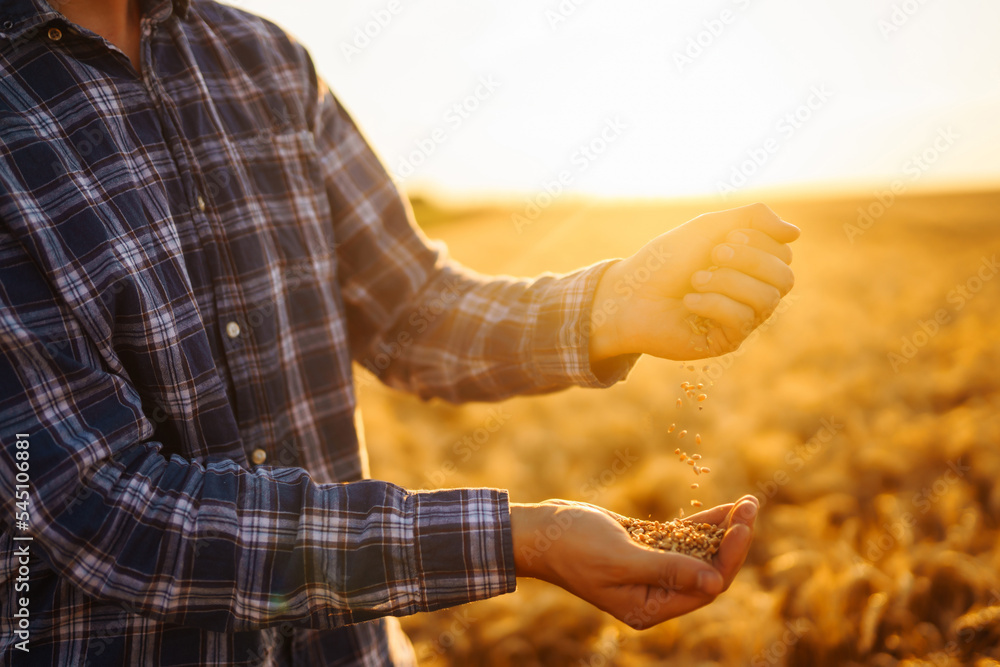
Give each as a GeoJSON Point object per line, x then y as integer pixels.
{"type": "Point", "coordinates": [701, 540]}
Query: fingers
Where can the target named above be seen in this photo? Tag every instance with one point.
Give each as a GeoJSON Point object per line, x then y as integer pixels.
{"type": "Point", "coordinates": [672, 571]}
{"type": "Point", "coordinates": [727, 312]}
{"type": "Point", "coordinates": [756, 217]}
{"type": "Point", "coordinates": [761, 241]}
{"type": "Point", "coordinates": [596, 560]}
{"type": "Point", "coordinates": [642, 607]}
{"type": "Point", "coordinates": [752, 277]}
{"type": "Point", "coordinates": [724, 515]}
{"type": "Point", "coordinates": [756, 263]}
{"type": "Point", "coordinates": [738, 518]}
{"type": "Point", "coordinates": [760, 296]}
{"type": "Point", "coordinates": [765, 220]}
{"type": "Point", "coordinates": [718, 515]}
{"type": "Point", "coordinates": [736, 542]}
{"type": "Point", "coordinates": [666, 585]}
{"type": "Point", "coordinates": [745, 510]}
{"type": "Point", "coordinates": [689, 574]}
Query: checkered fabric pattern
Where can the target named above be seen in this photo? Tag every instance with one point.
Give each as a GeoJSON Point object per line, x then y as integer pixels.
{"type": "Point", "coordinates": [191, 257]}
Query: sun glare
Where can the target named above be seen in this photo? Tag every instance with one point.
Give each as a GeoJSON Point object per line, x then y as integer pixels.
{"type": "Point", "coordinates": [475, 98]}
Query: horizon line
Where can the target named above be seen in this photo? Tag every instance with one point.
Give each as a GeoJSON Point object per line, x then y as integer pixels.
{"type": "Point", "coordinates": [442, 197]}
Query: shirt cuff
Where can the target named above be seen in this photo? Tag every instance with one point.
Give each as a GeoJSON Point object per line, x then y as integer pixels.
{"type": "Point", "coordinates": [561, 335]}
{"type": "Point", "coordinates": [463, 546]}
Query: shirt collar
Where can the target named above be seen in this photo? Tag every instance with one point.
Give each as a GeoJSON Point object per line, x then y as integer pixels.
{"type": "Point", "coordinates": [160, 10]}
{"type": "Point", "coordinates": [17, 16]}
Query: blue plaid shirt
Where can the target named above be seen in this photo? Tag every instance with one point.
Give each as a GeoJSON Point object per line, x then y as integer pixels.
{"type": "Point", "coordinates": [191, 256]}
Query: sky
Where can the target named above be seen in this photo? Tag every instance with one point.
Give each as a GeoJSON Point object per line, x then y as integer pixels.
{"type": "Point", "coordinates": [663, 99]}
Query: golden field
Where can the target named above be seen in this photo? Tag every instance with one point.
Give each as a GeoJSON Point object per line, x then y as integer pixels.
{"type": "Point", "coordinates": [865, 416]}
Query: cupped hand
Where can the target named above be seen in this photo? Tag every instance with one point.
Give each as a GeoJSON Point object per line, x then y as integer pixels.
{"type": "Point", "coordinates": [696, 291]}
{"type": "Point", "coordinates": [585, 550]}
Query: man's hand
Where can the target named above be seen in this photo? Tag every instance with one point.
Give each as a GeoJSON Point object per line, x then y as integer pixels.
{"type": "Point", "coordinates": [730, 267]}
{"type": "Point", "coordinates": [584, 549]}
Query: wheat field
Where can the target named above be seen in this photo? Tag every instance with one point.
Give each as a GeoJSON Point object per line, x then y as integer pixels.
{"type": "Point", "coordinates": [865, 415]}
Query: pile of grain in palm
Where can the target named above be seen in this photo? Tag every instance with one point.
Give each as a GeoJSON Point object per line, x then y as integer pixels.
{"type": "Point", "coordinates": [683, 536]}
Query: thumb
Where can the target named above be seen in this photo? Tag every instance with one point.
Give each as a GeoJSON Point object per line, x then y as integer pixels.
{"type": "Point", "coordinates": [677, 572]}
{"type": "Point", "coordinates": [764, 219]}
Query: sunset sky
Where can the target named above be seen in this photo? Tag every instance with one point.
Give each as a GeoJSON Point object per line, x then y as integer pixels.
{"type": "Point", "coordinates": [664, 99]}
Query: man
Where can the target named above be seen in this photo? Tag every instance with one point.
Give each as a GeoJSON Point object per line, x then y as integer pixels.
{"type": "Point", "coordinates": [195, 242]}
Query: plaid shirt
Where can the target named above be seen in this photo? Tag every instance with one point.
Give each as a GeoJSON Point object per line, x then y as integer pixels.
{"type": "Point", "coordinates": [190, 259]}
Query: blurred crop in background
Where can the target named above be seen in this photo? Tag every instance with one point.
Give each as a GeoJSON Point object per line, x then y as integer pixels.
{"type": "Point", "coordinates": [865, 416]}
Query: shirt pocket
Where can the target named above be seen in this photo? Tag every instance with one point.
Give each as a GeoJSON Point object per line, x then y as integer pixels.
{"type": "Point", "coordinates": [284, 200]}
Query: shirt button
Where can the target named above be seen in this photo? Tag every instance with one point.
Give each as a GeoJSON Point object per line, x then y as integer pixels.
{"type": "Point", "coordinates": [201, 203]}
{"type": "Point", "coordinates": [258, 456]}
{"type": "Point", "coordinates": [233, 330]}
{"type": "Point", "coordinates": [55, 34]}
